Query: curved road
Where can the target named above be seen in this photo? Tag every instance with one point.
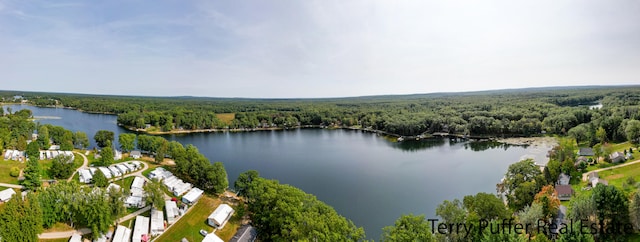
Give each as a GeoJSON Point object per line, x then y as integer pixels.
{"type": "Point", "coordinates": [84, 165]}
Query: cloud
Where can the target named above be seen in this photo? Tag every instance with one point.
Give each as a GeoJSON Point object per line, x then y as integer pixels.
{"type": "Point", "coordinates": [316, 48]}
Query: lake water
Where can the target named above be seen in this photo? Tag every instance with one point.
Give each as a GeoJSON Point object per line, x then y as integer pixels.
{"type": "Point", "coordinates": [363, 176]}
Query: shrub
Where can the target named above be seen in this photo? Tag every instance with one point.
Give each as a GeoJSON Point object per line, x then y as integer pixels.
{"type": "Point", "coordinates": [14, 172]}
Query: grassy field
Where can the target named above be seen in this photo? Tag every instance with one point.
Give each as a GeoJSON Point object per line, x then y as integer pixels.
{"type": "Point", "coordinates": [5, 167]}
{"type": "Point", "coordinates": [226, 117]}
{"type": "Point", "coordinates": [196, 219]}
{"type": "Point", "coordinates": [54, 240]}
{"type": "Point", "coordinates": [57, 227]}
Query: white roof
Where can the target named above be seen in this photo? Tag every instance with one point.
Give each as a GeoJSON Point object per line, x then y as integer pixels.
{"type": "Point", "coordinates": [157, 221]}
{"type": "Point", "coordinates": [116, 186]}
{"type": "Point", "coordinates": [193, 195]}
{"type": "Point", "coordinates": [221, 213]}
{"type": "Point", "coordinates": [212, 238]}
{"type": "Point", "coordinates": [75, 238]}
{"type": "Point", "coordinates": [141, 227]}
{"type": "Point", "coordinates": [171, 208]}
{"type": "Point", "coordinates": [138, 182]}
{"type": "Point", "coordinates": [106, 172]}
{"type": "Point", "coordinates": [122, 234]}
{"type": "Point", "coordinates": [6, 194]}
{"type": "Point", "coordinates": [134, 201]}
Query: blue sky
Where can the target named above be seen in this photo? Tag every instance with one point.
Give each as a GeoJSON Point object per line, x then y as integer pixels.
{"type": "Point", "coordinates": [314, 48]}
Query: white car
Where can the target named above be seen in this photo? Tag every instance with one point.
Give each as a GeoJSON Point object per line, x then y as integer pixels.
{"type": "Point", "coordinates": [203, 232]}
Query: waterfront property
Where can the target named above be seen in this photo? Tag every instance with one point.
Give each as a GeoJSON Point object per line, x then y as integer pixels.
{"type": "Point", "coordinates": [220, 216]}
{"type": "Point", "coordinates": [135, 154]}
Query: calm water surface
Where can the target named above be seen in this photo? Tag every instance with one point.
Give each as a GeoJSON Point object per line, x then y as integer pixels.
{"type": "Point", "coordinates": [364, 177]}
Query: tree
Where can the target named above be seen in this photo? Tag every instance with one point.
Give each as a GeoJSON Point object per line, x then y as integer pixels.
{"type": "Point", "coordinates": [408, 228]}
{"type": "Point", "coordinates": [61, 167]}
{"type": "Point", "coordinates": [32, 174]}
{"type": "Point", "coordinates": [583, 208]}
{"type": "Point", "coordinates": [155, 195]}
{"type": "Point", "coordinates": [523, 179]}
{"type": "Point", "coordinates": [452, 212]}
{"type": "Point", "coordinates": [103, 138]}
{"type": "Point", "coordinates": [634, 210]}
{"type": "Point", "coordinates": [580, 133]}
{"type": "Point", "coordinates": [21, 220]}
{"type": "Point", "coordinates": [548, 198]}
{"type": "Point", "coordinates": [127, 141]}
{"type": "Point", "coordinates": [106, 156]}
{"type": "Point", "coordinates": [161, 151]}
{"type": "Point", "coordinates": [244, 180]}
{"type": "Point", "coordinates": [33, 150]}
{"type": "Point", "coordinates": [43, 137]}
{"type": "Point", "coordinates": [99, 179]}
{"type": "Point", "coordinates": [66, 143]}
{"type": "Point", "coordinates": [575, 235]}
{"type": "Point", "coordinates": [81, 140]}
{"type": "Point", "coordinates": [611, 208]}
{"type": "Point", "coordinates": [485, 205]}
{"type": "Point", "coordinates": [601, 135]}
{"type": "Point", "coordinates": [116, 199]}
{"type": "Point", "coordinates": [219, 174]}
{"type": "Point", "coordinates": [14, 172]}
{"type": "Point", "coordinates": [501, 237]}
{"type": "Point", "coordinates": [632, 130]}
{"type": "Point", "coordinates": [531, 215]}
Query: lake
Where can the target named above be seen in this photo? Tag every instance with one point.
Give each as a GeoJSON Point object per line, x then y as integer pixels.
{"type": "Point", "coordinates": [365, 177]}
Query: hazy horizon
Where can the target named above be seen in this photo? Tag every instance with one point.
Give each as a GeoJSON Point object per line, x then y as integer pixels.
{"type": "Point", "coordinates": [315, 49]}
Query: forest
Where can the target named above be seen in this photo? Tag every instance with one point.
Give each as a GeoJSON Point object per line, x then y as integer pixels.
{"type": "Point", "coordinates": [522, 112]}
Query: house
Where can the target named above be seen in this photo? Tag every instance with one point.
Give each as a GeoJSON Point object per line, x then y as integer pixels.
{"type": "Point", "coordinates": [136, 164]}
{"type": "Point", "coordinates": [585, 152]}
{"type": "Point", "coordinates": [123, 234]}
{"type": "Point", "coordinates": [220, 216]}
{"type": "Point", "coordinates": [192, 196]}
{"type": "Point", "coordinates": [590, 176]}
{"type": "Point", "coordinates": [134, 202]}
{"type": "Point", "coordinates": [6, 194]}
{"type": "Point", "coordinates": [616, 157]}
{"type": "Point", "coordinates": [171, 209]}
{"type": "Point", "coordinates": [563, 179]}
{"type": "Point", "coordinates": [582, 159]}
{"type": "Point", "coordinates": [137, 186]}
{"type": "Point", "coordinates": [212, 237]}
{"type": "Point", "coordinates": [157, 222]}
{"type": "Point", "coordinates": [564, 192]}
{"type": "Point", "coordinates": [122, 168]}
{"type": "Point", "coordinates": [246, 233]}
{"type": "Point", "coordinates": [75, 238]}
{"type": "Point", "coordinates": [115, 171]}
{"type": "Point", "coordinates": [135, 154]}
{"type": "Point", "coordinates": [140, 229]}
{"type": "Point", "coordinates": [114, 186]}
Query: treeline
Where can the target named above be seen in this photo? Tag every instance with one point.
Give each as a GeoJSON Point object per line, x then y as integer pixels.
{"type": "Point", "coordinates": [285, 213]}
{"type": "Point", "coordinates": [495, 113]}
{"type": "Point", "coordinates": [81, 207]}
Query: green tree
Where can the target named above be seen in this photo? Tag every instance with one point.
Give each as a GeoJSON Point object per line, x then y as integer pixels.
{"type": "Point", "coordinates": [634, 210]}
{"type": "Point", "coordinates": [611, 208]}
{"type": "Point", "coordinates": [632, 130]}
{"type": "Point", "coordinates": [33, 150]}
{"type": "Point", "coordinates": [103, 138]}
{"type": "Point", "coordinates": [67, 141]}
{"type": "Point", "coordinates": [531, 215]}
{"type": "Point", "coordinates": [244, 180]}
{"type": "Point", "coordinates": [21, 220]}
{"type": "Point", "coordinates": [575, 235]}
{"type": "Point", "coordinates": [487, 206]}
{"type": "Point", "coordinates": [106, 156]}
{"type": "Point", "coordinates": [161, 151]}
{"type": "Point", "coordinates": [580, 133]}
{"type": "Point", "coordinates": [155, 195]}
{"type": "Point", "coordinates": [408, 228]}
{"type": "Point", "coordinates": [43, 137]}
{"type": "Point", "coordinates": [61, 167]}
{"type": "Point", "coordinates": [521, 180]}
{"type": "Point", "coordinates": [452, 212]}
{"type": "Point", "coordinates": [81, 140]}
{"type": "Point", "coordinates": [127, 141]}
{"type": "Point", "coordinates": [14, 172]}
{"type": "Point", "coordinates": [116, 199]}
{"type": "Point", "coordinates": [583, 208]}
{"type": "Point", "coordinates": [220, 175]}
{"type": "Point", "coordinates": [501, 237]}
{"type": "Point", "coordinates": [99, 179]}
{"type": "Point", "coordinates": [32, 174]}
{"type": "Point", "coordinates": [601, 135]}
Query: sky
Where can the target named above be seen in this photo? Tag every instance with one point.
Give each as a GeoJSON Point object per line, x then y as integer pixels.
{"type": "Point", "coordinates": [323, 48]}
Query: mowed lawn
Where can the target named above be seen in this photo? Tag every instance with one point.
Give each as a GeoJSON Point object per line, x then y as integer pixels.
{"type": "Point", "coordinates": [226, 117]}
{"type": "Point", "coordinates": [5, 168]}
{"type": "Point", "coordinates": [190, 224]}
{"type": "Point", "coordinates": [618, 176]}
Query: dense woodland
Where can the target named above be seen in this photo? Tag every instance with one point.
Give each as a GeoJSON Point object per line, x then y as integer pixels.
{"type": "Point", "coordinates": [521, 112]}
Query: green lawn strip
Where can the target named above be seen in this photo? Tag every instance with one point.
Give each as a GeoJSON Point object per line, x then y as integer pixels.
{"type": "Point", "coordinates": [5, 169]}
{"type": "Point", "coordinates": [54, 240]}
{"type": "Point", "coordinates": [621, 146]}
{"type": "Point", "coordinates": [45, 165]}
{"type": "Point", "coordinates": [190, 224]}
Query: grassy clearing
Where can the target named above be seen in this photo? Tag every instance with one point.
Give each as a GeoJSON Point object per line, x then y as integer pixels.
{"type": "Point", "coordinates": [58, 227]}
{"type": "Point", "coordinates": [621, 146]}
{"type": "Point", "coordinates": [619, 176]}
{"type": "Point", "coordinates": [54, 240]}
{"type": "Point", "coordinates": [190, 224]}
{"type": "Point", "coordinates": [5, 168]}
{"type": "Point", "coordinates": [226, 117]}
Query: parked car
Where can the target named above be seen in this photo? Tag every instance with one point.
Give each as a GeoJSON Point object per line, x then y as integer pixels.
{"type": "Point", "coordinates": [203, 232]}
